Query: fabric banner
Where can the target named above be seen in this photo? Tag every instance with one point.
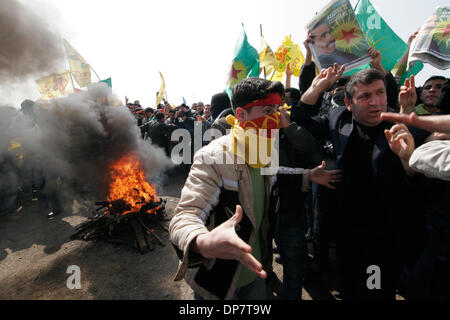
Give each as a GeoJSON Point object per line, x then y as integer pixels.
{"type": "Point", "coordinates": [288, 55]}
{"type": "Point", "coordinates": [267, 60]}
{"type": "Point", "coordinates": [55, 85]}
{"type": "Point", "coordinates": [108, 82]}
{"type": "Point", "coordinates": [79, 68]}
{"type": "Point", "coordinates": [380, 36]}
{"type": "Point", "coordinates": [245, 63]}
{"type": "Point", "coordinates": [162, 91]}
{"type": "Point", "coordinates": [338, 37]}
{"type": "Point", "coordinates": [432, 44]}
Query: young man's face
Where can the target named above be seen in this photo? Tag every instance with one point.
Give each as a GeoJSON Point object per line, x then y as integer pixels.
{"type": "Point", "coordinates": [431, 91]}
{"type": "Point", "coordinates": [255, 112]}
{"type": "Point", "coordinates": [323, 39]}
{"type": "Point", "coordinates": [368, 101]}
{"type": "Point", "coordinates": [207, 111]}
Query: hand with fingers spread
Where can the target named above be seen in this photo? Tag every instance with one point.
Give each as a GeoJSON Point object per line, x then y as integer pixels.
{"type": "Point", "coordinates": [324, 80]}
{"type": "Point", "coordinates": [408, 96]}
{"type": "Point", "coordinates": [401, 142]}
{"type": "Point", "coordinates": [223, 242]}
{"type": "Point", "coordinates": [326, 177]}
{"type": "Point", "coordinates": [328, 77]}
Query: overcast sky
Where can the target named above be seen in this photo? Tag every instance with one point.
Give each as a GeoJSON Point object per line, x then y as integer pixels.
{"type": "Point", "coordinates": [190, 42]}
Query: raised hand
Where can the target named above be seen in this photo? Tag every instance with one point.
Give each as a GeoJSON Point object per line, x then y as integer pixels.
{"type": "Point", "coordinates": [408, 96]}
{"type": "Point", "coordinates": [223, 242]}
{"type": "Point", "coordinates": [328, 77]}
{"type": "Point", "coordinates": [308, 57]}
{"type": "Point", "coordinates": [325, 177]}
{"type": "Point", "coordinates": [376, 62]}
{"type": "Point", "coordinates": [285, 119]}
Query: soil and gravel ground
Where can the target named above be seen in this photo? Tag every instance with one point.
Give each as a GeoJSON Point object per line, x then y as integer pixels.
{"type": "Point", "coordinates": [35, 253]}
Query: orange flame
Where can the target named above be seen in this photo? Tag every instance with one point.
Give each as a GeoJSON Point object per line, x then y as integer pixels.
{"type": "Point", "coordinates": [129, 184]}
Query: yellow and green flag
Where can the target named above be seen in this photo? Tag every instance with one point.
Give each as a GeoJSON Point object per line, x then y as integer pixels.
{"type": "Point", "coordinates": [245, 63]}
{"type": "Point", "coordinates": [79, 68]}
{"type": "Point", "coordinates": [383, 38]}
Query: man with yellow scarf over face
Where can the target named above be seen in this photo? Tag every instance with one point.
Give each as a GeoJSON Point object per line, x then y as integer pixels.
{"type": "Point", "coordinates": [224, 223]}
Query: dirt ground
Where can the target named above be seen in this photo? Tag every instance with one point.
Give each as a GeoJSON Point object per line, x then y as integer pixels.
{"type": "Point", "coordinates": [35, 253]}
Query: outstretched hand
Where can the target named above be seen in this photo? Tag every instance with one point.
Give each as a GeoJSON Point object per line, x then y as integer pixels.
{"type": "Point", "coordinates": [223, 242]}
{"type": "Point", "coordinates": [326, 177]}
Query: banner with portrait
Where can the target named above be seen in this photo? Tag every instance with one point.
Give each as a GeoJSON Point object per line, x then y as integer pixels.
{"type": "Point", "coordinates": [338, 37]}
{"type": "Point", "coordinates": [432, 44]}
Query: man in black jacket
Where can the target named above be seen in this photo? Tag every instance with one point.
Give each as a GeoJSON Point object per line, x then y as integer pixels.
{"type": "Point", "coordinates": [377, 233]}
{"type": "Point", "coordinates": [159, 132]}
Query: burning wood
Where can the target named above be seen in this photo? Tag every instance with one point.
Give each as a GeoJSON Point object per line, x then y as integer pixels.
{"type": "Point", "coordinates": [132, 212]}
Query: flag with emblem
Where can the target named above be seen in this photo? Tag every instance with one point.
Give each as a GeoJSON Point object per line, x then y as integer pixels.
{"type": "Point", "coordinates": [338, 37]}
{"type": "Point", "coordinates": [245, 63]}
{"type": "Point", "coordinates": [432, 44]}
{"type": "Point", "coordinates": [380, 36]}
{"type": "Point", "coordinates": [288, 55]}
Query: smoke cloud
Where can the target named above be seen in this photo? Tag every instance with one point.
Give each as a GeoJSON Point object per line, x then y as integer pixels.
{"type": "Point", "coordinates": [28, 46]}
{"type": "Point", "coordinates": [78, 138]}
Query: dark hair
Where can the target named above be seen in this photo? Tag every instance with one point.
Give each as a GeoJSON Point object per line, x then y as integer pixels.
{"type": "Point", "coordinates": [365, 76]}
{"type": "Point", "coordinates": [149, 109]}
{"type": "Point", "coordinates": [159, 116]}
{"type": "Point", "coordinates": [172, 111]}
{"type": "Point", "coordinates": [435, 78]}
{"type": "Point", "coordinates": [295, 93]}
{"type": "Point", "coordinates": [251, 89]}
{"type": "Point", "coordinates": [182, 113]}
{"type": "Point", "coordinates": [219, 102]}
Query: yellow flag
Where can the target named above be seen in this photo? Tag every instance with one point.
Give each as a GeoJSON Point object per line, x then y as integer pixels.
{"type": "Point", "coordinates": [289, 53]}
{"type": "Point", "coordinates": [161, 91]}
{"type": "Point", "coordinates": [278, 76]}
{"type": "Point", "coordinates": [267, 59]}
{"type": "Point", "coordinates": [79, 68]}
{"type": "Point", "coordinates": [55, 85]}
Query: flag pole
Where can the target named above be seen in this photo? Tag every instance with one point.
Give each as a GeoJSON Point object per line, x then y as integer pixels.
{"type": "Point", "coordinates": [264, 68]}
{"type": "Point", "coordinates": [95, 73]}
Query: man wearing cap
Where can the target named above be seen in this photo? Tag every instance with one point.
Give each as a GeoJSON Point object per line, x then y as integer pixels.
{"type": "Point", "coordinates": [223, 225]}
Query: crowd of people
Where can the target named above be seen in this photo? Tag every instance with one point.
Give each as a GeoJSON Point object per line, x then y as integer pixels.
{"type": "Point", "coordinates": [363, 167]}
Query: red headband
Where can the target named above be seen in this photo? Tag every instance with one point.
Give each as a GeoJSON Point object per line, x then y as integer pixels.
{"type": "Point", "coordinates": [272, 98]}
